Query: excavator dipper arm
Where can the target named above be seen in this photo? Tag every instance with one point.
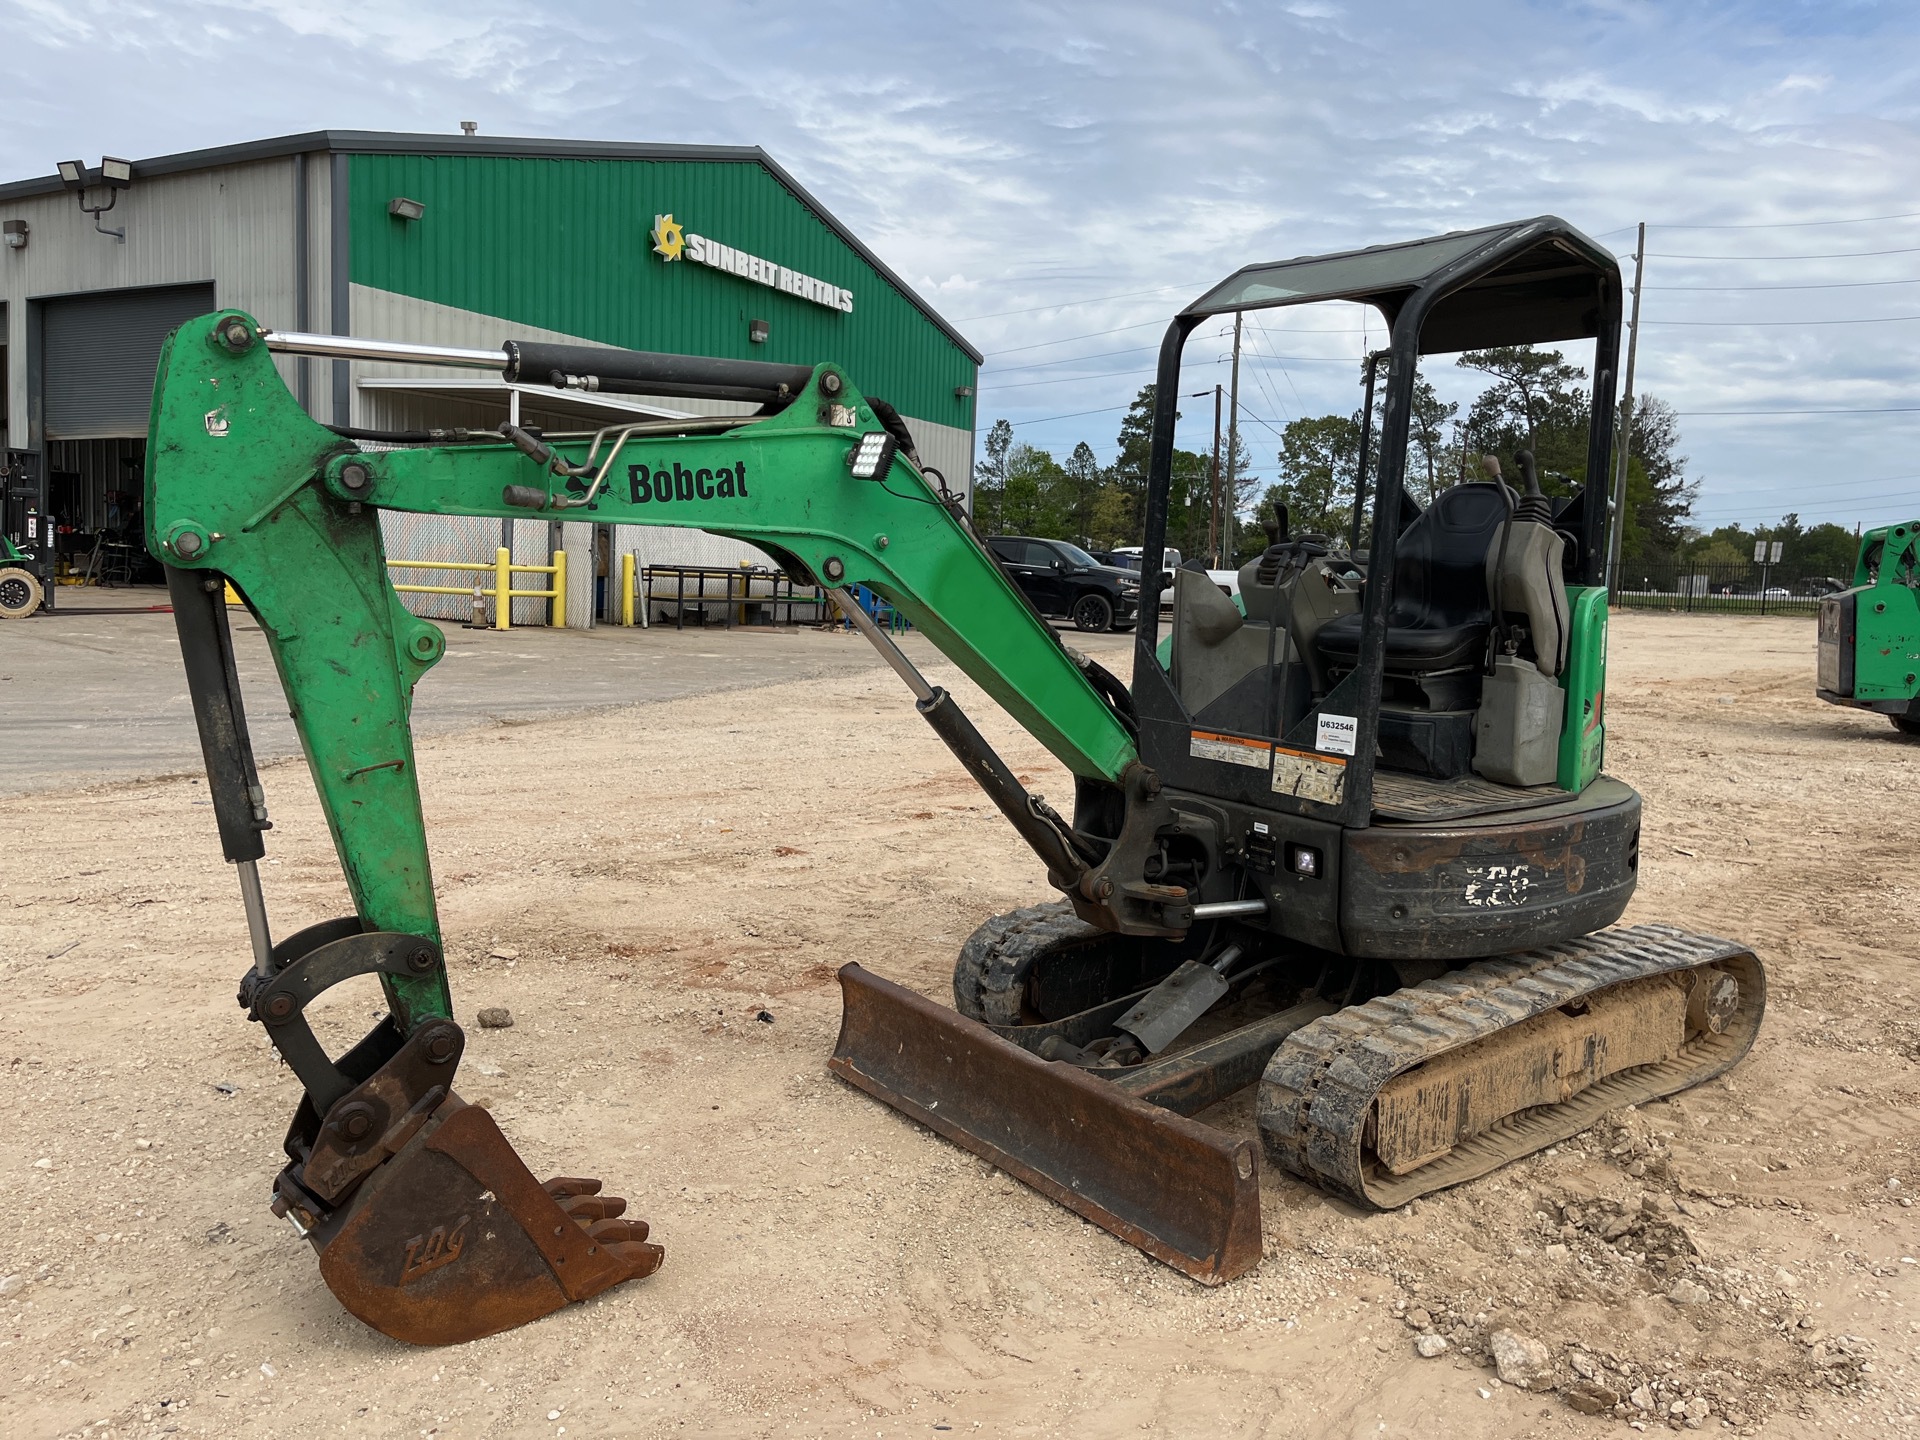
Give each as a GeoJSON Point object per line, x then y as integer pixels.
{"type": "Point", "coordinates": [427, 1224]}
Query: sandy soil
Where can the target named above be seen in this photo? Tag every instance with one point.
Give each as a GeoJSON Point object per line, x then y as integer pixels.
{"type": "Point", "coordinates": [661, 874]}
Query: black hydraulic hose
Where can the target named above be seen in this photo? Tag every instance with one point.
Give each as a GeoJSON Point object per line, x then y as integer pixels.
{"type": "Point", "coordinates": [1119, 699]}
{"type": "Point", "coordinates": [411, 437]}
{"type": "Point", "coordinates": [891, 422]}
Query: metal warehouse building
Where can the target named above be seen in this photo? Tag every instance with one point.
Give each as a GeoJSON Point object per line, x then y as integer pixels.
{"type": "Point", "coordinates": [446, 240]}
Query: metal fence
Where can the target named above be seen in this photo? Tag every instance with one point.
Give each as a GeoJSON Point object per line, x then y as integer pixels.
{"type": "Point", "coordinates": [1718, 589]}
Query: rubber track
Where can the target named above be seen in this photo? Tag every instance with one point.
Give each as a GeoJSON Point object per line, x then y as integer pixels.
{"type": "Point", "coordinates": [989, 978]}
{"type": "Point", "coordinates": [1318, 1091]}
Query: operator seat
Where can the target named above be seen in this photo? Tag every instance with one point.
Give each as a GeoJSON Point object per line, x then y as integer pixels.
{"type": "Point", "coordinates": [1438, 623]}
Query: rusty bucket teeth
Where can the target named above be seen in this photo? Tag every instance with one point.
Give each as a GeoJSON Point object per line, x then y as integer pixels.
{"type": "Point", "coordinates": [453, 1238]}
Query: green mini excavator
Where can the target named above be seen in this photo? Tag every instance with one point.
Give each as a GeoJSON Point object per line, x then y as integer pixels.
{"type": "Point", "coordinates": [1869, 645]}
{"type": "Point", "coordinates": [1351, 843]}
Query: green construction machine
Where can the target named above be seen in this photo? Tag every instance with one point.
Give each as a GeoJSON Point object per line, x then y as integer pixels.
{"type": "Point", "coordinates": [1351, 844]}
{"type": "Point", "coordinates": [1869, 646]}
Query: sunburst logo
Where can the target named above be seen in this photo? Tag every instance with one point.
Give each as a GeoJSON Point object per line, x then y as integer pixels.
{"type": "Point", "coordinates": [669, 240]}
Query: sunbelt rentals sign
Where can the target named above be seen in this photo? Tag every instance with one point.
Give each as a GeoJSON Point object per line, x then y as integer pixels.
{"type": "Point", "coordinates": [672, 241]}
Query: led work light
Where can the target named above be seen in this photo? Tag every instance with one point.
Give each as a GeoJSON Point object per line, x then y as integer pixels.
{"type": "Point", "coordinates": [871, 456]}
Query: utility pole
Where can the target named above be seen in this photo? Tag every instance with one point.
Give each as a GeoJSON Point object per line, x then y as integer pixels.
{"type": "Point", "coordinates": [1370, 368]}
{"type": "Point", "coordinates": [1626, 419]}
{"type": "Point", "coordinates": [1224, 502]}
{"type": "Point", "coordinates": [1213, 502]}
{"type": "Point", "coordinates": [1213, 507]}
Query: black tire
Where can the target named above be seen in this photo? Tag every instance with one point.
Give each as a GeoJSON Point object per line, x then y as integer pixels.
{"type": "Point", "coordinates": [1044, 963]}
{"type": "Point", "coordinates": [1092, 611]}
{"type": "Point", "coordinates": [19, 593]}
{"type": "Point", "coordinates": [1906, 724]}
{"type": "Point", "coordinates": [990, 977]}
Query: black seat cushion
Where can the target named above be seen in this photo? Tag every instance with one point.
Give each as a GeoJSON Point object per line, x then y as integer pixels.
{"type": "Point", "coordinates": [1440, 614]}
{"type": "Point", "coordinates": [1411, 649]}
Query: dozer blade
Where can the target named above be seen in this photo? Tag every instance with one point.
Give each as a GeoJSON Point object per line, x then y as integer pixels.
{"type": "Point", "coordinates": [1182, 1192]}
{"type": "Point", "coordinates": [452, 1238]}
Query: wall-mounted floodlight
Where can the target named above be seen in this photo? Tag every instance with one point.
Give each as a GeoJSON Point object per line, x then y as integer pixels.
{"type": "Point", "coordinates": [113, 176]}
{"type": "Point", "coordinates": [961, 392]}
{"type": "Point", "coordinates": [401, 208]}
{"type": "Point", "coordinates": [16, 233]}
{"type": "Point", "coordinates": [758, 330]}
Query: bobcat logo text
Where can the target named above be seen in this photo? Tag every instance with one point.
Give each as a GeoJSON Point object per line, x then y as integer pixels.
{"type": "Point", "coordinates": [668, 484]}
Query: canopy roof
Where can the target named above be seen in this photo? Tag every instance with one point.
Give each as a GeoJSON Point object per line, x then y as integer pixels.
{"type": "Point", "coordinates": [1522, 283]}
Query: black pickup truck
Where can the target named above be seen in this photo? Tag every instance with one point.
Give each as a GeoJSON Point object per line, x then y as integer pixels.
{"type": "Point", "coordinates": [1062, 579]}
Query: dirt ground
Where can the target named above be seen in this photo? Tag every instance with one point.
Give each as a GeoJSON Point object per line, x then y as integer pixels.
{"type": "Point", "coordinates": [637, 885]}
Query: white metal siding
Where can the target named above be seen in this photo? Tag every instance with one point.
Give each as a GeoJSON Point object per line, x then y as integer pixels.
{"type": "Point", "coordinates": [232, 226]}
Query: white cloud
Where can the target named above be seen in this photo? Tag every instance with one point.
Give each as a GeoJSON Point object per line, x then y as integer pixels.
{"type": "Point", "coordinates": [1061, 160]}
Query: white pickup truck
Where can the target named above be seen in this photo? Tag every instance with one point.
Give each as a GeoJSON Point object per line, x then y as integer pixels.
{"type": "Point", "coordinates": [1128, 557]}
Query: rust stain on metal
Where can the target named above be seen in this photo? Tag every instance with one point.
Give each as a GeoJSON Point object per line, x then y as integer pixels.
{"type": "Point", "coordinates": [454, 1239]}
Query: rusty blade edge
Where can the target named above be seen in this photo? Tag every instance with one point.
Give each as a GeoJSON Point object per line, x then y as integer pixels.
{"type": "Point", "coordinates": [1164, 1143]}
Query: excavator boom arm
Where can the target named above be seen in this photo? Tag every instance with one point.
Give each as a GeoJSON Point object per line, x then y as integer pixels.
{"type": "Point", "coordinates": [426, 1223]}
{"type": "Point", "coordinates": [242, 483]}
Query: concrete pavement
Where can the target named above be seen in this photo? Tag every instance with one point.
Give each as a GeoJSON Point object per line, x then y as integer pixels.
{"type": "Point", "coordinates": [88, 696]}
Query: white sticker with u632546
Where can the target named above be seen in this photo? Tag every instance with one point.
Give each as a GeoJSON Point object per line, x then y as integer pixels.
{"type": "Point", "coordinates": [1337, 734]}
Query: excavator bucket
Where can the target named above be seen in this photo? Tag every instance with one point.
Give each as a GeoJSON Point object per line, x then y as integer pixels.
{"type": "Point", "coordinates": [1184, 1193]}
{"type": "Point", "coordinates": [452, 1238]}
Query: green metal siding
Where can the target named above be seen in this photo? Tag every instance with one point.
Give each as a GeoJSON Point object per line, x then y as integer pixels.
{"type": "Point", "coordinates": [563, 244]}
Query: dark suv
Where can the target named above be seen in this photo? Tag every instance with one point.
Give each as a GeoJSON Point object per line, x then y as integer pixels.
{"type": "Point", "coordinates": [1062, 579]}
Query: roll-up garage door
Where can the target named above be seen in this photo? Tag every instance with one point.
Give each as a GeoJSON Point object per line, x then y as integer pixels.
{"type": "Point", "coordinates": [100, 354]}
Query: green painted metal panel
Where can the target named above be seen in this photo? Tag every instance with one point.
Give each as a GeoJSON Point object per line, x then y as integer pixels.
{"type": "Point", "coordinates": [563, 244]}
{"type": "Point", "coordinates": [1886, 616]}
{"type": "Point", "coordinates": [238, 466]}
{"type": "Point", "coordinates": [1583, 735]}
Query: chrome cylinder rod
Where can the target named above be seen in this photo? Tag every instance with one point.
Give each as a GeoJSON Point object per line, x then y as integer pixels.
{"type": "Point", "coordinates": [398, 352]}
{"type": "Point", "coordinates": [1229, 909]}
{"type": "Point", "coordinates": [881, 641]}
{"type": "Point", "coordinates": [256, 904]}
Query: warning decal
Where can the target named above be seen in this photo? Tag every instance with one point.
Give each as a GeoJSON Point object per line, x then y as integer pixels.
{"type": "Point", "coordinates": [1307, 776]}
{"type": "Point", "coordinates": [1233, 749]}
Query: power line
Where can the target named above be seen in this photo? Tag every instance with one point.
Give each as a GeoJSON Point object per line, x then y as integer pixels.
{"type": "Point", "coordinates": [1835, 255]}
{"type": "Point", "coordinates": [1096, 334]}
{"type": "Point", "coordinates": [1783, 224]}
{"type": "Point", "coordinates": [1864, 410]}
{"type": "Point", "coordinates": [1065, 380]}
{"type": "Point", "coordinates": [1069, 360]}
{"type": "Point", "coordinates": [1069, 304]}
{"type": "Point", "coordinates": [1830, 285]}
{"type": "Point", "coordinates": [1068, 339]}
{"type": "Point", "coordinates": [1864, 320]}
{"type": "Point", "coordinates": [1074, 415]}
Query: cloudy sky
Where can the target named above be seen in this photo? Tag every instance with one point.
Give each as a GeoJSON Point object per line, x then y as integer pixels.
{"type": "Point", "coordinates": [1057, 179]}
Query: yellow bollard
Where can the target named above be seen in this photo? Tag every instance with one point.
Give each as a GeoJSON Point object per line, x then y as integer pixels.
{"type": "Point", "coordinates": [559, 618]}
{"type": "Point", "coordinates": [626, 589]}
{"type": "Point", "coordinates": [503, 589]}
